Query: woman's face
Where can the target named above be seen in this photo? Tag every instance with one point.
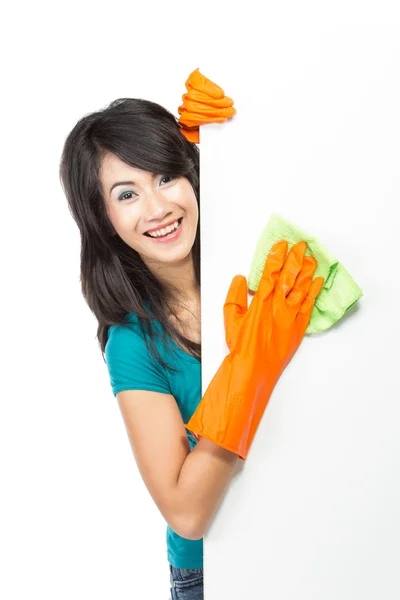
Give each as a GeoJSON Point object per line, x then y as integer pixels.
{"type": "Point", "coordinates": [141, 205]}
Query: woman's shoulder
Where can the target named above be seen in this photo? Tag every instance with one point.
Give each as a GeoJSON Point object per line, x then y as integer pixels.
{"type": "Point", "coordinates": [133, 338]}
{"type": "Point", "coordinates": [129, 322]}
{"type": "Point", "coordinates": [126, 332]}
{"type": "Point", "coordinates": [129, 361]}
{"type": "Point", "coordinates": [129, 331]}
{"type": "Point", "coordinates": [128, 345]}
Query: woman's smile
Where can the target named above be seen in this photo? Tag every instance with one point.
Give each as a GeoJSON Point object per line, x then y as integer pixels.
{"type": "Point", "coordinates": [168, 234]}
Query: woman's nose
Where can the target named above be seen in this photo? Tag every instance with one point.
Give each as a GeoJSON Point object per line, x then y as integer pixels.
{"type": "Point", "coordinates": [157, 207]}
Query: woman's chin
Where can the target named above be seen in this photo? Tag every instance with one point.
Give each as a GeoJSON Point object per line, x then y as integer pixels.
{"type": "Point", "coordinates": [171, 256]}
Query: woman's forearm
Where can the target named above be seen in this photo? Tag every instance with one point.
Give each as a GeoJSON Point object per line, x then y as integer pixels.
{"type": "Point", "coordinates": [201, 484]}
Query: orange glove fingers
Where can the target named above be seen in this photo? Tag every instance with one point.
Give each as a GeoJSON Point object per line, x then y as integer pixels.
{"type": "Point", "coordinates": [236, 304]}
{"type": "Point", "coordinates": [207, 116]}
{"type": "Point", "coordinates": [304, 314]}
{"type": "Point", "coordinates": [198, 105]}
{"type": "Point", "coordinates": [291, 268]}
{"type": "Point", "coordinates": [198, 81]}
{"type": "Point", "coordinates": [308, 304]}
{"type": "Point", "coordinates": [198, 101]}
{"type": "Point", "coordinates": [205, 102]}
{"type": "Point", "coordinates": [301, 287]}
{"type": "Point", "coordinates": [235, 308]}
{"type": "Point", "coordinates": [272, 268]}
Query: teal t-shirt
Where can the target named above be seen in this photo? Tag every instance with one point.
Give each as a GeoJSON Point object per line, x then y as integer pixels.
{"type": "Point", "coordinates": [131, 368]}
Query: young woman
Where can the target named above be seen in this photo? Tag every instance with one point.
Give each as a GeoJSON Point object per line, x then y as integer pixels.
{"type": "Point", "coordinates": [132, 183]}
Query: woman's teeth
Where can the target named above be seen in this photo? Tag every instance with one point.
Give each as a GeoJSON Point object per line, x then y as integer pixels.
{"type": "Point", "coordinates": [164, 230]}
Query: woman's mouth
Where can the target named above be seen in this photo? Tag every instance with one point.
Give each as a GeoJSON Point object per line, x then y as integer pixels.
{"type": "Point", "coordinates": [168, 234]}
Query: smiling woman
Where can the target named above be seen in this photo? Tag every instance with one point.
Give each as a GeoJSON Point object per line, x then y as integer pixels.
{"type": "Point", "coordinates": [132, 183]}
{"type": "Point", "coordinates": [128, 170]}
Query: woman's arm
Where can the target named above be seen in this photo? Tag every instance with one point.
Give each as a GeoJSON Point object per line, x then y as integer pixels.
{"type": "Point", "coordinates": [186, 486]}
{"type": "Point", "coordinates": [203, 479]}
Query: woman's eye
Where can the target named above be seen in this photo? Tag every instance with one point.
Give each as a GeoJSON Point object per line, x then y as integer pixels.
{"type": "Point", "coordinates": [126, 196]}
{"type": "Point", "coordinates": [167, 177]}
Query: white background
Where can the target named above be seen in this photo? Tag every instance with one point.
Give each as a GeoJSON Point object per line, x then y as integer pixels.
{"type": "Point", "coordinates": [312, 513]}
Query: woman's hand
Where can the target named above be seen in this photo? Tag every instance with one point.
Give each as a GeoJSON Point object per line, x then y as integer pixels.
{"type": "Point", "coordinates": [262, 340]}
{"type": "Point", "coordinates": [205, 102]}
{"type": "Point", "coordinates": [274, 325]}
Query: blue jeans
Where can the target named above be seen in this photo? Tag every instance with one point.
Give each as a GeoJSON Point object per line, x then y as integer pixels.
{"type": "Point", "coordinates": [186, 584]}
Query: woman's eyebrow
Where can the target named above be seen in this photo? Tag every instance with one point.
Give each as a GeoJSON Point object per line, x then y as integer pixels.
{"type": "Point", "coordinates": [114, 185]}
{"type": "Point", "coordinates": [128, 182]}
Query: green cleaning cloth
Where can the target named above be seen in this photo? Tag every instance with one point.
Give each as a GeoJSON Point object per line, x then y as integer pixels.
{"type": "Point", "coordinates": [339, 292]}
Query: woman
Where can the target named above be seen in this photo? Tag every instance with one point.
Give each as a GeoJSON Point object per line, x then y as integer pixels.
{"type": "Point", "coordinates": [132, 183]}
{"type": "Point", "coordinates": [127, 268]}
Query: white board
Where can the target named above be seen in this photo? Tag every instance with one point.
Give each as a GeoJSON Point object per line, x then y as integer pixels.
{"type": "Point", "coordinates": [314, 510]}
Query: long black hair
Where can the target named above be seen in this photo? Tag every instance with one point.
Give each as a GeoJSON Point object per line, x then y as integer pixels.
{"type": "Point", "coordinates": [115, 280]}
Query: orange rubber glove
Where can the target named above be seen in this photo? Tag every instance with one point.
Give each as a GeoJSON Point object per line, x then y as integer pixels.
{"type": "Point", "coordinates": [205, 102]}
{"type": "Point", "coordinates": [262, 339]}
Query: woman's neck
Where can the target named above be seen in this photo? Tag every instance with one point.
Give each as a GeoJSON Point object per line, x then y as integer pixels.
{"type": "Point", "coordinates": [180, 278]}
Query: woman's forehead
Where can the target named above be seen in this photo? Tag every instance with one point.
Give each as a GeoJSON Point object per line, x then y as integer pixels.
{"type": "Point", "coordinates": [112, 167]}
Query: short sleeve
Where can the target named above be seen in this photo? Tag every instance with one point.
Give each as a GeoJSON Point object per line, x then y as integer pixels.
{"type": "Point", "coordinates": [129, 365]}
